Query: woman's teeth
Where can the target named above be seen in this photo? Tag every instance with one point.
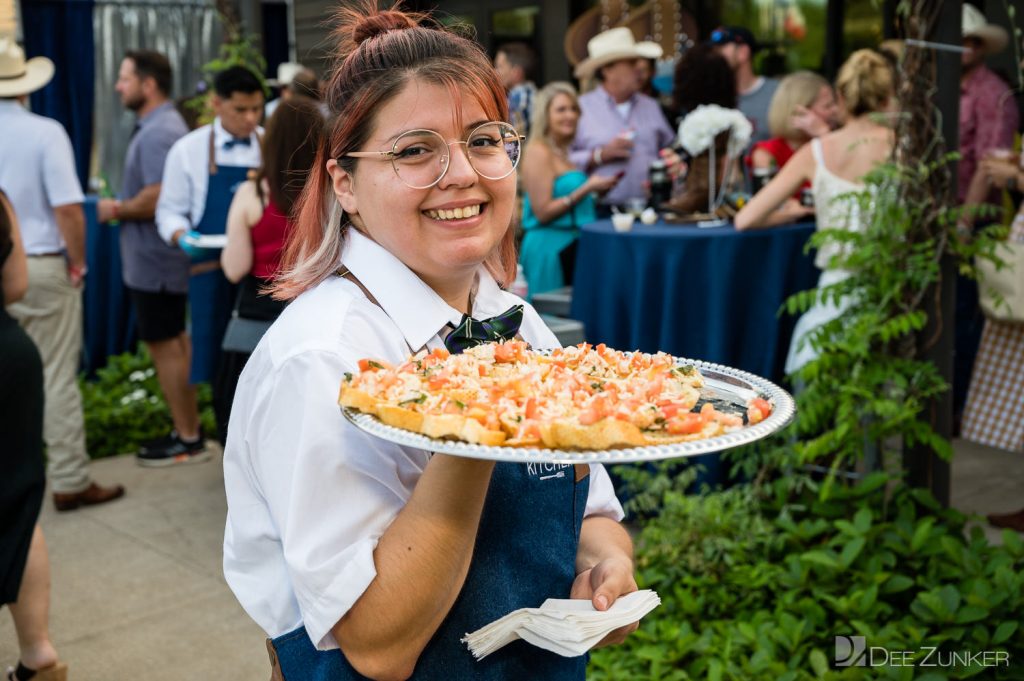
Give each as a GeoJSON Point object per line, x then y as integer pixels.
{"type": "Point", "coordinates": [454, 213]}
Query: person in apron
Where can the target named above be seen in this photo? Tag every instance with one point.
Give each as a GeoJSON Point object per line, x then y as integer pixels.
{"type": "Point", "coordinates": [358, 557]}
{"type": "Point", "coordinates": [202, 173]}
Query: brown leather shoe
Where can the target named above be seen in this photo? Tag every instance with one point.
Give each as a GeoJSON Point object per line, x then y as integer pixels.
{"type": "Point", "coordinates": [90, 496]}
{"type": "Point", "coordinates": [1010, 521]}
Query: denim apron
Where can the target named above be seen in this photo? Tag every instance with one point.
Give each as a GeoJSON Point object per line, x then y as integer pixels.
{"type": "Point", "coordinates": [525, 553]}
{"type": "Point", "coordinates": [210, 295]}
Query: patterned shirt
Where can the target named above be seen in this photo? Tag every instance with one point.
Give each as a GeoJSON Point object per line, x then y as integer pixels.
{"type": "Point", "coordinates": [520, 106]}
{"type": "Point", "coordinates": [988, 120]}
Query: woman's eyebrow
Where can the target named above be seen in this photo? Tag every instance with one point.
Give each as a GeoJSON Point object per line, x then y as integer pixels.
{"type": "Point", "coordinates": [467, 128]}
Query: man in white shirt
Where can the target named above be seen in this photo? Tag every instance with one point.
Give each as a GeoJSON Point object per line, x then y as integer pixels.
{"type": "Point", "coordinates": [203, 170]}
{"type": "Point", "coordinates": [37, 171]}
{"type": "Point", "coordinates": [738, 46]}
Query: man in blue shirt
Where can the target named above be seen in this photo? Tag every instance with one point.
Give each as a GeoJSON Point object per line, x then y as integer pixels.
{"type": "Point", "coordinates": [155, 273]}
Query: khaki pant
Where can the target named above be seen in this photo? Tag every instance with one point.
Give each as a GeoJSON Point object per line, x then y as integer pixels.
{"type": "Point", "coordinates": [51, 313]}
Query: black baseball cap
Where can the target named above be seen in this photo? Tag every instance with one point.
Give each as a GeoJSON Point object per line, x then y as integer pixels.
{"type": "Point", "coordinates": [723, 35]}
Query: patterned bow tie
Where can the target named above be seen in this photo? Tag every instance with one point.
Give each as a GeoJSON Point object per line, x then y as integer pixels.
{"type": "Point", "coordinates": [472, 332]}
{"type": "Point", "coordinates": [240, 141]}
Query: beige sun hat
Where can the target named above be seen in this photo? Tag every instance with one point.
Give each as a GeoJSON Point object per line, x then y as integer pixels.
{"type": "Point", "coordinates": [613, 45]}
{"type": "Point", "coordinates": [286, 72]}
{"type": "Point", "coordinates": [17, 76]}
{"type": "Point", "coordinates": [974, 25]}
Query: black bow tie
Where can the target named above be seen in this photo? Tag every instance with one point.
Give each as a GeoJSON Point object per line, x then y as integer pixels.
{"type": "Point", "coordinates": [472, 332]}
{"type": "Point", "coordinates": [240, 141]}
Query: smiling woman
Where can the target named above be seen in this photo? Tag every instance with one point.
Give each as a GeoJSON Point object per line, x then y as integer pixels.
{"type": "Point", "coordinates": [360, 558]}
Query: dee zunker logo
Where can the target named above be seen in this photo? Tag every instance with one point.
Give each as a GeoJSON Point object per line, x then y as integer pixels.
{"type": "Point", "coordinates": [853, 651]}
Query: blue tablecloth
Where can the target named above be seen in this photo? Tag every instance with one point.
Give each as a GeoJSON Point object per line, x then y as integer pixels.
{"type": "Point", "coordinates": [108, 315]}
{"type": "Point", "coordinates": [712, 294]}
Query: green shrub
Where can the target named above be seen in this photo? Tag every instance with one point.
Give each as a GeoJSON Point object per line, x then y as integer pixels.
{"type": "Point", "coordinates": [753, 589]}
{"type": "Point", "coordinates": [124, 406]}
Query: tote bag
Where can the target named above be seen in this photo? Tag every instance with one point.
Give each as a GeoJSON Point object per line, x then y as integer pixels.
{"type": "Point", "coordinates": [1007, 282]}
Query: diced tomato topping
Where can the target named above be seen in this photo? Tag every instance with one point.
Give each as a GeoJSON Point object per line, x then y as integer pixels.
{"type": "Point", "coordinates": [504, 353]}
{"type": "Point", "coordinates": [686, 424]}
{"type": "Point", "coordinates": [437, 382]}
{"type": "Point", "coordinates": [762, 405]}
{"type": "Point", "coordinates": [708, 412]}
{"type": "Point", "coordinates": [669, 408]}
{"type": "Point", "coordinates": [440, 353]}
{"type": "Point", "coordinates": [529, 429]}
{"type": "Point", "coordinates": [373, 365]}
{"type": "Point", "coordinates": [530, 409]}
{"type": "Point", "coordinates": [482, 370]}
{"type": "Point", "coordinates": [597, 410]}
{"type": "Point", "coordinates": [754, 415]}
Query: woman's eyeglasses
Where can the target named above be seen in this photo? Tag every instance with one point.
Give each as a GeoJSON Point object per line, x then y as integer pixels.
{"type": "Point", "coordinates": [422, 157]}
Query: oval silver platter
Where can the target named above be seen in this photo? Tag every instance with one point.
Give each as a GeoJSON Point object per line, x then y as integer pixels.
{"type": "Point", "coordinates": [729, 389]}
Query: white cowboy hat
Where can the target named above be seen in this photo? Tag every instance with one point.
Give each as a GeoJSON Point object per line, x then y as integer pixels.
{"type": "Point", "coordinates": [17, 76]}
{"type": "Point", "coordinates": [286, 72]}
{"type": "Point", "coordinates": [613, 45]}
{"type": "Point", "coordinates": [974, 25]}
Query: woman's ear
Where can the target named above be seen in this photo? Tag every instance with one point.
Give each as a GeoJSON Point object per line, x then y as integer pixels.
{"type": "Point", "coordinates": [344, 189]}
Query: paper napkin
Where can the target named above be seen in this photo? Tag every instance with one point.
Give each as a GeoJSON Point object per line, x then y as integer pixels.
{"type": "Point", "coordinates": [568, 627]}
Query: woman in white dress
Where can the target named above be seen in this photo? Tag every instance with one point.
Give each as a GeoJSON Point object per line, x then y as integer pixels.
{"type": "Point", "coordinates": [834, 164]}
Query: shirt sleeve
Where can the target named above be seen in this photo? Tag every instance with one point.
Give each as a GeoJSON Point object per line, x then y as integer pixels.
{"type": "Point", "coordinates": [331, 489]}
{"type": "Point", "coordinates": [601, 499]}
{"type": "Point", "coordinates": [154, 156]}
{"type": "Point", "coordinates": [60, 178]}
{"type": "Point", "coordinates": [174, 208]}
{"type": "Point", "coordinates": [996, 103]}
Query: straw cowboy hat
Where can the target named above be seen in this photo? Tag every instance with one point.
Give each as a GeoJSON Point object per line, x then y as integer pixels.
{"type": "Point", "coordinates": [974, 25]}
{"type": "Point", "coordinates": [613, 45]}
{"type": "Point", "coordinates": [17, 76]}
{"type": "Point", "coordinates": [286, 72]}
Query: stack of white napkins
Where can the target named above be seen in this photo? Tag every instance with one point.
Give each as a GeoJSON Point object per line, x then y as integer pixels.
{"type": "Point", "coordinates": [568, 627]}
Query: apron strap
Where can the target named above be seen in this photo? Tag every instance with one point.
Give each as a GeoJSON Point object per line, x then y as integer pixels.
{"type": "Point", "coordinates": [275, 667]}
{"type": "Point", "coordinates": [213, 160]}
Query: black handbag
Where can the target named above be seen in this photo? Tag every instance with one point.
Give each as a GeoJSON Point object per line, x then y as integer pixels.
{"type": "Point", "coordinates": [243, 335]}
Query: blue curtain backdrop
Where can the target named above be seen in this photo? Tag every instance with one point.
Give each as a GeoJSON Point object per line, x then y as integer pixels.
{"type": "Point", "coordinates": [62, 30]}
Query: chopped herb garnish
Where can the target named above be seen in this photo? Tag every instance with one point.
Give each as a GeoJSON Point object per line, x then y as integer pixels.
{"type": "Point", "coordinates": [685, 370]}
{"type": "Point", "coordinates": [659, 420]}
{"type": "Point", "coordinates": [460, 404]}
{"type": "Point", "coordinates": [374, 365]}
{"type": "Point", "coordinates": [415, 400]}
{"type": "Point", "coordinates": [348, 377]}
{"type": "Point", "coordinates": [597, 385]}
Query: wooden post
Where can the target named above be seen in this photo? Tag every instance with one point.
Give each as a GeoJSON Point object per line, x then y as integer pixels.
{"type": "Point", "coordinates": [923, 467]}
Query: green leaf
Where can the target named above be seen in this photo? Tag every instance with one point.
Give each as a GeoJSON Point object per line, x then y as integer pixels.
{"type": "Point", "coordinates": [862, 519]}
{"type": "Point", "coordinates": [970, 613]}
{"type": "Point", "coordinates": [819, 663]}
{"type": "Point", "coordinates": [1003, 632]}
{"type": "Point", "coordinates": [851, 551]}
{"type": "Point", "coordinates": [825, 558]}
{"type": "Point", "coordinates": [921, 533]}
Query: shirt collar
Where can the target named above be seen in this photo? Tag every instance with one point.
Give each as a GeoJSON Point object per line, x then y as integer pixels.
{"type": "Point", "coordinates": [220, 135]}
{"type": "Point", "coordinates": [611, 100]}
{"type": "Point", "coordinates": [152, 115]}
{"type": "Point", "coordinates": [418, 311]}
{"type": "Point", "coordinates": [11, 106]}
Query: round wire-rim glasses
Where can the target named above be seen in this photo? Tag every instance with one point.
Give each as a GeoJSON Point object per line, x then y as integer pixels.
{"type": "Point", "coordinates": [492, 148]}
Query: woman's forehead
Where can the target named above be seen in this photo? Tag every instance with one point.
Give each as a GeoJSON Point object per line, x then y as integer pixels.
{"type": "Point", "coordinates": [430, 106]}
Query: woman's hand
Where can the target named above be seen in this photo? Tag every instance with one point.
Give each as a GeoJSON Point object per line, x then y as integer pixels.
{"type": "Point", "coordinates": [601, 184]}
{"type": "Point", "coordinates": [602, 585]}
{"type": "Point", "coordinates": [792, 210]}
{"type": "Point", "coordinates": [999, 171]}
{"type": "Point", "coordinates": [674, 163]}
{"type": "Point", "coordinates": [808, 122]}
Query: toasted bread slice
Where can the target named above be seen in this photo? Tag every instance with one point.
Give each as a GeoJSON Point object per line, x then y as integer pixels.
{"type": "Point", "coordinates": [354, 398]}
{"type": "Point", "coordinates": [400, 417]}
{"type": "Point", "coordinates": [605, 434]}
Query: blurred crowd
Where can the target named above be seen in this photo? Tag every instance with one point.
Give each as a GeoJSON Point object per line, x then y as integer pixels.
{"type": "Point", "coordinates": [204, 212]}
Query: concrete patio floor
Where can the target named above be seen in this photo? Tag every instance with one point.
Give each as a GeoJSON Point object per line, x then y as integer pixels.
{"type": "Point", "coordinates": [138, 592]}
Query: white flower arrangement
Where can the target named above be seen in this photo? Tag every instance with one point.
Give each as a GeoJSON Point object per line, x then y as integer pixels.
{"type": "Point", "coordinates": [702, 125]}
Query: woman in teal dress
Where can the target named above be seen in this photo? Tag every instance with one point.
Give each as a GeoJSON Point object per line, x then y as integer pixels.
{"type": "Point", "coordinates": [558, 197]}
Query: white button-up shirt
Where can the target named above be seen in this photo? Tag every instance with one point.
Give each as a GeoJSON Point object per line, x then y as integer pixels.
{"type": "Point", "coordinates": [37, 172]}
{"type": "Point", "coordinates": [309, 494]}
{"type": "Point", "coordinates": [187, 175]}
